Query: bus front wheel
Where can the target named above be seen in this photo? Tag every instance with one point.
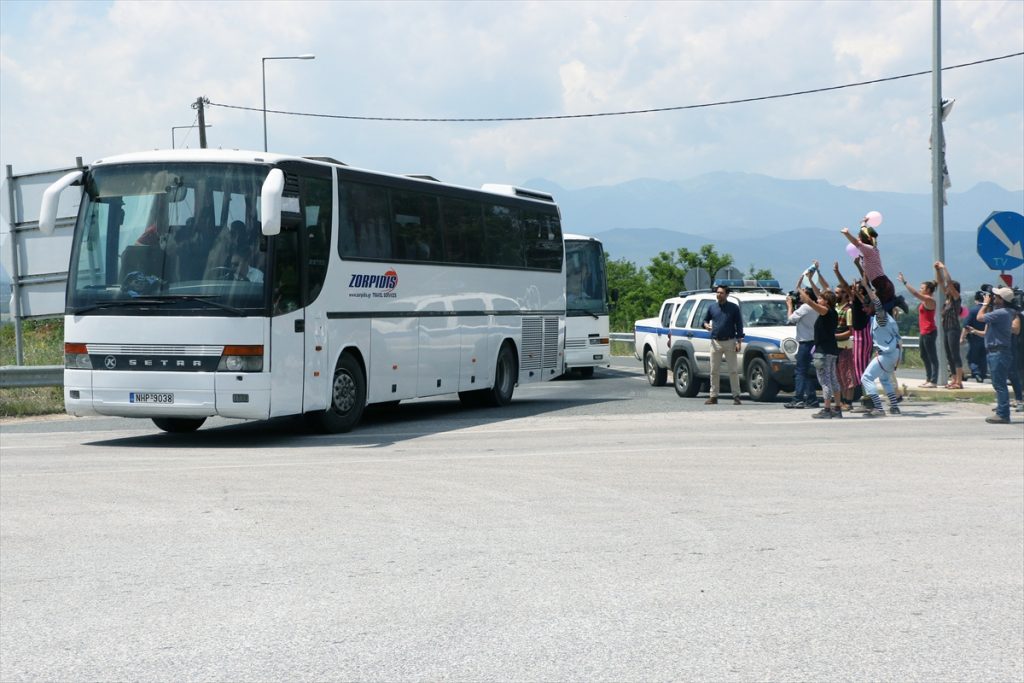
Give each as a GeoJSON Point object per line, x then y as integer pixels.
{"type": "Point", "coordinates": [179, 425]}
{"type": "Point", "coordinates": [348, 398]}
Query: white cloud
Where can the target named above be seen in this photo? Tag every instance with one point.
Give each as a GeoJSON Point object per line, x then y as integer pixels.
{"type": "Point", "coordinates": [93, 79]}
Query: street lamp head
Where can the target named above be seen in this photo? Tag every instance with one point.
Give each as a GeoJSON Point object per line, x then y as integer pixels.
{"type": "Point", "coordinates": [307, 57]}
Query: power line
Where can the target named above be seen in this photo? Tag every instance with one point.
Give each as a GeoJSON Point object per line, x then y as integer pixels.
{"type": "Point", "coordinates": [612, 113]}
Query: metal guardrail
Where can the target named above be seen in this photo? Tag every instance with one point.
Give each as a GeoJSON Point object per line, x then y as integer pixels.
{"type": "Point", "coordinates": [19, 376]}
{"type": "Point", "coordinates": [627, 337]}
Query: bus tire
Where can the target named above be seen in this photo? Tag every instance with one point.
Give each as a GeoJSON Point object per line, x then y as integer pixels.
{"type": "Point", "coordinates": [179, 425]}
{"type": "Point", "coordinates": [505, 373]}
{"type": "Point", "coordinates": [348, 398]}
{"type": "Point", "coordinates": [656, 376]}
{"type": "Point", "coordinates": [760, 384]}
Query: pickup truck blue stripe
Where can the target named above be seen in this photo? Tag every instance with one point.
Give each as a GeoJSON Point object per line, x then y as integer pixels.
{"type": "Point", "coordinates": [701, 334]}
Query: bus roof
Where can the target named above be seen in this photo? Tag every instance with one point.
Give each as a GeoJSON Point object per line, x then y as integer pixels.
{"type": "Point", "coordinates": [252, 157]}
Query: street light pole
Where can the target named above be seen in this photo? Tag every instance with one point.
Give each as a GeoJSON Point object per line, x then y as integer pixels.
{"type": "Point", "coordinates": [174, 128]}
{"type": "Point", "coordinates": [263, 64]}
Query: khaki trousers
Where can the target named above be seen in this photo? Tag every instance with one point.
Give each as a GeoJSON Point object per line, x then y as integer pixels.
{"type": "Point", "coordinates": [727, 348]}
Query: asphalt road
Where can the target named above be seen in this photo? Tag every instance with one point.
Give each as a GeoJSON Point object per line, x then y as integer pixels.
{"type": "Point", "coordinates": [594, 530]}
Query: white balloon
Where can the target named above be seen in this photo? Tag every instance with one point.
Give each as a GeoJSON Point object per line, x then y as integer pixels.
{"type": "Point", "coordinates": [874, 219]}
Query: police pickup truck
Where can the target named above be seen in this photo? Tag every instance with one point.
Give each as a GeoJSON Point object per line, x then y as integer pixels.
{"type": "Point", "coordinates": [676, 340]}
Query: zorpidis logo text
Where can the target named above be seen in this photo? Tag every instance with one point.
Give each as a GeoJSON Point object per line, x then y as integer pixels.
{"type": "Point", "coordinates": [373, 286]}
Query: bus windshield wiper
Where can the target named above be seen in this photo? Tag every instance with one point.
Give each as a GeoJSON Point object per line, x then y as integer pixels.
{"type": "Point", "coordinates": [204, 298]}
{"type": "Point", "coordinates": [137, 301]}
{"type": "Point", "coordinates": [160, 300]}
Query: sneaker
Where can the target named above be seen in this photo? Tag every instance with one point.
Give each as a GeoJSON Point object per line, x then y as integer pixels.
{"type": "Point", "coordinates": [996, 420]}
{"type": "Point", "coordinates": [822, 414]}
{"type": "Point", "coordinates": [874, 412]}
{"type": "Point", "coordinates": [858, 408]}
{"type": "Point", "coordinates": [837, 414]}
{"type": "Point", "coordinates": [1020, 407]}
{"type": "Point", "coordinates": [795, 404]}
{"type": "Point", "coordinates": [894, 410]}
{"type": "Point", "coordinates": [711, 401]}
{"type": "Point", "coordinates": [736, 401]}
{"type": "Point", "coordinates": [812, 404]}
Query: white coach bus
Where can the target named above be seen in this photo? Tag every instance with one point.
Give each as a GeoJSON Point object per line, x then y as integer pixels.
{"type": "Point", "coordinates": [253, 285]}
{"type": "Point", "coordinates": [586, 306]}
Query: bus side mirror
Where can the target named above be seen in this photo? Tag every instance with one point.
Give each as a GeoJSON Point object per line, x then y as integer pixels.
{"type": "Point", "coordinates": [51, 198]}
{"type": "Point", "coordinates": [270, 202]}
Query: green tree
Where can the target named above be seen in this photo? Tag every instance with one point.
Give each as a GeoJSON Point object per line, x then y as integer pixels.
{"type": "Point", "coordinates": [755, 273]}
{"type": "Point", "coordinates": [641, 290]}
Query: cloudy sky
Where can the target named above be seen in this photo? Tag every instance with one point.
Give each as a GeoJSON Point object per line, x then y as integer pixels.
{"type": "Point", "coordinates": [93, 79]}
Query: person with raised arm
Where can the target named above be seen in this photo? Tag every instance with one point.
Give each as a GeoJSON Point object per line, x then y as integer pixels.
{"type": "Point", "coordinates": [826, 347]}
{"type": "Point", "coordinates": [885, 335]}
{"type": "Point", "coordinates": [951, 310]}
{"type": "Point", "coordinates": [928, 331]}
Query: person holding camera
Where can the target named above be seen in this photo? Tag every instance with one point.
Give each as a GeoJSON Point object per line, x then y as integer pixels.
{"type": "Point", "coordinates": [804, 317]}
{"type": "Point", "coordinates": [973, 335]}
{"type": "Point", "coordinates": [1001, 323]}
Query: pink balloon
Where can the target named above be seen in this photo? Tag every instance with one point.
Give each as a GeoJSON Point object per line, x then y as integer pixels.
{"type": "Point", "coordinates": [852, 251]}
{"type": "Point", "coordinates": [874, 219]}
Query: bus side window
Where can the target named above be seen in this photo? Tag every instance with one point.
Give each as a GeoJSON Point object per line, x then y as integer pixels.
{"type": "Point", "coordinates": [317, 199]}
{"type": "Point", "coordinates": [462, 221]}
{"type": "Point", "coordinates": [364, 221]}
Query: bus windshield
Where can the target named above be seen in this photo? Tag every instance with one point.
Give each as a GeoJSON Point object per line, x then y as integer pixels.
{"type": "Point", "coordinates": [182, 235]}
{"type": "Point", "coordinates": [585, 282]}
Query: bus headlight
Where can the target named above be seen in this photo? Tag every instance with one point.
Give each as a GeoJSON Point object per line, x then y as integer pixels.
{"type": "Point", "coordinates": [242, 358]}
{"type": "Point", "coordinates": [76, 356]}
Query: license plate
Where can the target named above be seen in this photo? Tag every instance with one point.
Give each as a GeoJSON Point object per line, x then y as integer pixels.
{"type": "Point", "coordinates": [149, 397]}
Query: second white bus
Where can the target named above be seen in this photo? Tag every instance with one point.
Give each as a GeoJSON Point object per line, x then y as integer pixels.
{"type": "Point", "coordinates": [586, 306]}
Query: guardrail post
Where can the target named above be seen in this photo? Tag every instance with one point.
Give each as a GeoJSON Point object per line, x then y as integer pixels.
{"type": "Point", "coordinates": [19, 356]}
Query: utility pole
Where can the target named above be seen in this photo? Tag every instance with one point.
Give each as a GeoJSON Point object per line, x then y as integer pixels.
{"type": "Point", "coordinates": [938, 164]}
{"type": "Point", "coordinates": [198, 106]}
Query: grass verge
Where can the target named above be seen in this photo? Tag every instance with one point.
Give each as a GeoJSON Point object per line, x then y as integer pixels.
{"type": "Point", "coordinates": [42, 344]}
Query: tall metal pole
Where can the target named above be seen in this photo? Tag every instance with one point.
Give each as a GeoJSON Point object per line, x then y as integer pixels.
{"type": "Point", "coordinates": [12, 238]}
{"type": "Point", "coordinates": [938, 159]}
{"type": "Point", "coordinates": [263, 62]}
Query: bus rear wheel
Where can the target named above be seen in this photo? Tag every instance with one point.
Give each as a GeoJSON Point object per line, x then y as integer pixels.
{"type": "Point", "coordinates": [348, 398]}
{"type": "Point", "coordinates": [179, 425]}
{"type": "Point", "coordinates": [505, 373]}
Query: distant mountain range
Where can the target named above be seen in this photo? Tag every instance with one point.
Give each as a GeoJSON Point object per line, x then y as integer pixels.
{"type": "Point", "coordinates": [781, 224]}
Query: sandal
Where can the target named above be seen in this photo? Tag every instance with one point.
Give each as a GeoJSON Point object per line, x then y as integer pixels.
{"type": "Point", "coordinates": [954, 386]}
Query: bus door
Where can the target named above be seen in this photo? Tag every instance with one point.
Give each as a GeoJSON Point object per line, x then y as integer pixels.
{"type": "Point", "coordinates": [287, 325]}
{"type": "Point", "coordinates": [300, 371]}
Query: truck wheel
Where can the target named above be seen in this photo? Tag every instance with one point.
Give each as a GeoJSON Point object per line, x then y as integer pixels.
{"type": "Point", "coordinates": [685, 383]}
{"type": "Point", "coordinates": [655, 376]}
{"type": "Point", "coordinates": [760, 384]}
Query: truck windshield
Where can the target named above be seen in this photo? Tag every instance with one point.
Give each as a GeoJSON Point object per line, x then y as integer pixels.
{"type": "Point", "coordinates": [180, 237]}
{"type": "Point", "coordinates": [766, 313]}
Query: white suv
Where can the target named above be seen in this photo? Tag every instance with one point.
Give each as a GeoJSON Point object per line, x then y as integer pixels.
{"type": "Point", "coordinates": [677, 340]}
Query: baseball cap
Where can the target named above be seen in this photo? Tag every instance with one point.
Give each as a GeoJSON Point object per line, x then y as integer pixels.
{"type": "Point", "coordinates": [1005, 292]}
